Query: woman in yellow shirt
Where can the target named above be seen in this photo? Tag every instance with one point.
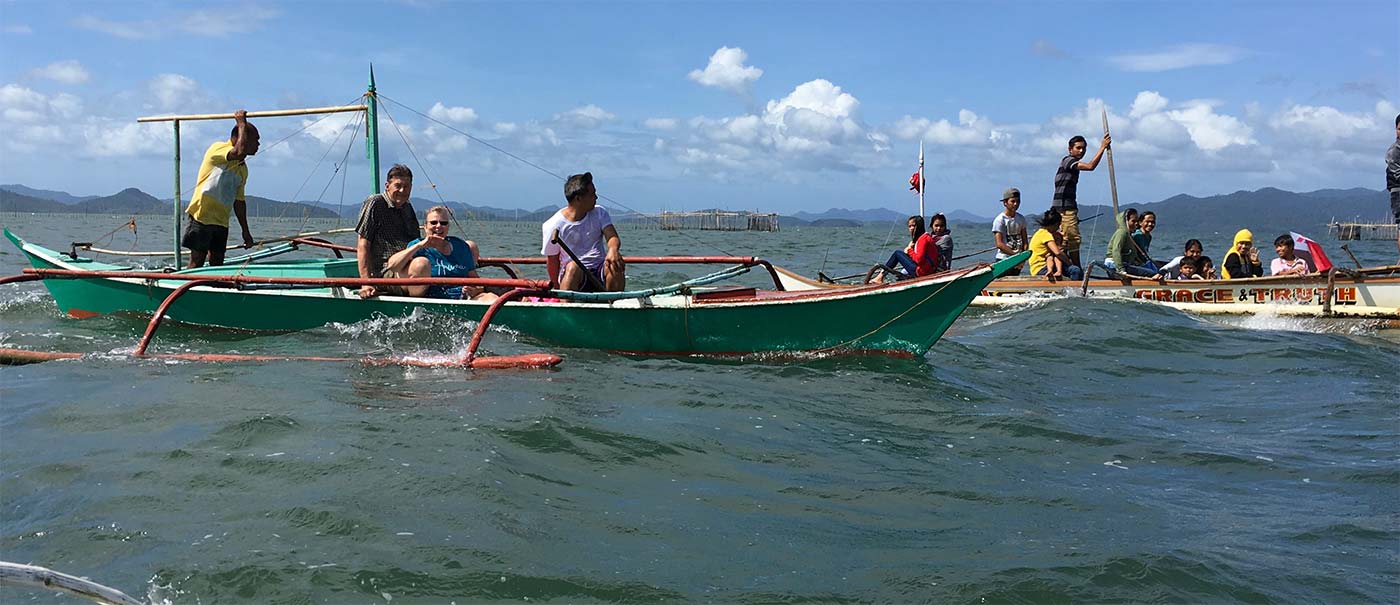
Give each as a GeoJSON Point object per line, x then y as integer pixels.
{"type": "Point", "coordinates": [1047, 255]}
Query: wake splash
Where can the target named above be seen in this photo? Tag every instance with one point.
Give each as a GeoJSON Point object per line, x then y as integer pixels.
{"type": "Point", "coordinates": [417, 337]}
{"type": "Point", "coordinates": [1268, 320]}
{"type": "Point", "coordinates": [27, 300]}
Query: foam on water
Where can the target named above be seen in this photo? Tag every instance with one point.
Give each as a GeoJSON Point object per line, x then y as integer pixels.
{"type": "Point", "coordinates": [25, 300]}
{"type": "Point", "coordinates": [1269, 320]}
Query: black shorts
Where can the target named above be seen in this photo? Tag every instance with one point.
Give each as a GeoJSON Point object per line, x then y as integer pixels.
{"type": "Point", "coordinates": [587, 285]}
{"type": "Point", "coordinates": [1395, 204]}
{"type": "Point", "coordinates": [203, 238]}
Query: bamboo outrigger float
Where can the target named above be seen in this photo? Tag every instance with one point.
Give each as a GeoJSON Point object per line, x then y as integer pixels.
{"type": "Point", "coordinates": [696, 316]}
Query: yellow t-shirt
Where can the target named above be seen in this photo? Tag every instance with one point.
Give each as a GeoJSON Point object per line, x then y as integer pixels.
{"type": "Point", "coordinates": [220, 182]}
{"type": "Point", "coordinates": [1040, 247]}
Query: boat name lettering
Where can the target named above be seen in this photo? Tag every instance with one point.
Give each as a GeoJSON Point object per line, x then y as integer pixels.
{"type": "Point", "coordinates": [1344, 295]}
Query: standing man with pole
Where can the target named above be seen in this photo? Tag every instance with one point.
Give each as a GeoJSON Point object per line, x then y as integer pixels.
{"type": "Point", "coordinates": [223, 173]}
{"type": "Point", "coordinates": [1067, 190]}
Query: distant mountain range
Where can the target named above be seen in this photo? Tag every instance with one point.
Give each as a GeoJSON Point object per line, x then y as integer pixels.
{"type": "Point", "coordinates": [45, 194]}
{"type": "Point", "coordinates": [1267, 209]}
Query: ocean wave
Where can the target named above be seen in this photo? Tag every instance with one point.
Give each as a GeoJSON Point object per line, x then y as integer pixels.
{"type": "Point", "coordinates": [28, 300]}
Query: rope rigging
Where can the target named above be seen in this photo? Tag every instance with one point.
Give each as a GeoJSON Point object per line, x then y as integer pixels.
{"type": "Point", "coordinates": [544, 170]}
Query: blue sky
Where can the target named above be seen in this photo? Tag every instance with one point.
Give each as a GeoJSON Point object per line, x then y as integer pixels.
{"type": "Point", "coordinates": [775, 106]}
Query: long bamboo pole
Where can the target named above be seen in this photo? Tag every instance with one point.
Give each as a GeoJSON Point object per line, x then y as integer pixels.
{"type": "Point", "coordinates": [232, 247]}
{"type": "Point", "coordinates": [42, 578]}
{"type": "Point", "coordinates": [179, 260]}
{"type": "Point", "coordinates": [345, 282]}
{"type": "Point", "coordinates": [1108, 153]}
{"type": "Point", "coordinates": [271, 113]}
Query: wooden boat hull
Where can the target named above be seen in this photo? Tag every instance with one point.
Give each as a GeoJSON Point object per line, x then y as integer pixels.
{"type": "Point", "coordinates": [904, 318]}
{"type": "Point", "coordinates": [1375, 295]}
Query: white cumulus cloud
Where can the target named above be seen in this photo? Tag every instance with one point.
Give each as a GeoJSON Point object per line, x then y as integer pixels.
{"type": "Point", "coordinates": [1180, 56]}
{"type": "Point", "coordinates": [39, 123]}
{"type": "Point", "coordinates": [128, 30]}
{"type": "Point", "coordinates": [67, 72]}
{"type": "Point", "coordinates": [1323, 125]}
{"type": "Point", "coordinates": [587, 116]}
{"type": "Point", "coordinates": [726, 70]}
{"type": "Point", "coordinates": [1147, 102]}
{"type": "Point", "coordinates": [327, 129]}
{"type": "Point", "coordinates": [460, 115]}
{"type": "Point", "coordinates": [815, 115]}
{"type": "Point", "coordinates": [210, 23]}
{"type": "Point", "coordinates": [221, 23]}
{"type": "Point", "coordinates": [172, 90]}
{"type": "Point", "coordinates": [1212, 131]}
{"type": "Point", "coordinates": [659, 123]}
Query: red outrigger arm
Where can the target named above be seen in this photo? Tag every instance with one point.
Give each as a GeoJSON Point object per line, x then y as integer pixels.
{"type": "Point", "coordinates": [345, 282]}
{"type": "Point", "coordinates": [518, 288]}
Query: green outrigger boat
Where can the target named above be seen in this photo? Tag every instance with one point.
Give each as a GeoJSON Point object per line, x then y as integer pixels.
{"type": "Point", "coordinates": [698, 316]}
{"type": "Point", "coordinates": [695, 317]}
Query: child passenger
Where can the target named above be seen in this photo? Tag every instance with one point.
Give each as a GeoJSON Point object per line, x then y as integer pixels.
{"type": "Point", "coordinates": [1009, 228]}
{"type": "Point", "coordinates": [1192, 249]}
{"type": "Point", "coordinates": [1190, 268]}
{"type": "Point", "coordinates": [943, 238]}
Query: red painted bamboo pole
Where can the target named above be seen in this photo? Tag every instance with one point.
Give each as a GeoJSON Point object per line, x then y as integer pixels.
{"type": "Point", "coordinates": [14, 279]}
{"type": "Point", "coordinates": [658, 260]}
{"type": "Point", "coordinates": [492, 362]}
{"type": "Point", "coordinates": [307, 281]}
{"type": "Point", "coordinates": [490, 314]}
{"type": "Point", "coordinates": [160, 314]}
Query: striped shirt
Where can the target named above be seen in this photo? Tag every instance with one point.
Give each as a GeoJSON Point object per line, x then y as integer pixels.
{"type": "Point", "coordinates": [1067, 185]}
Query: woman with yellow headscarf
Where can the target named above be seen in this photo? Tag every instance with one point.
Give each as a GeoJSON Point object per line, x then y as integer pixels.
{"type": "Point", "coordinates": [1242, 259]}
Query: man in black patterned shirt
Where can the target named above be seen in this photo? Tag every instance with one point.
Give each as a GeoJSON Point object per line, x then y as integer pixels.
{"type": "Point", "coordinates": [387, 224]}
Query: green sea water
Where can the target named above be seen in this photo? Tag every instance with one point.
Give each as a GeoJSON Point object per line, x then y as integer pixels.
{"type": "Point", "coordinates": [1076, 451]}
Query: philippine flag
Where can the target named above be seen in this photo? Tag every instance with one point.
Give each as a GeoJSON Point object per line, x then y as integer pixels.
{"type": "Point", "coordinates": [1312, 251]}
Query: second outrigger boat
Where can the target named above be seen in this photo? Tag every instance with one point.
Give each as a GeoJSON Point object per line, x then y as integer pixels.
{"type": "Point", "coordinates": [1372, 293]}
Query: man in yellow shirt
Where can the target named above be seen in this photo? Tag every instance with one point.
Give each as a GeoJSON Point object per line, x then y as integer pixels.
{"type": "Point", "coordinates": [222, 176]}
